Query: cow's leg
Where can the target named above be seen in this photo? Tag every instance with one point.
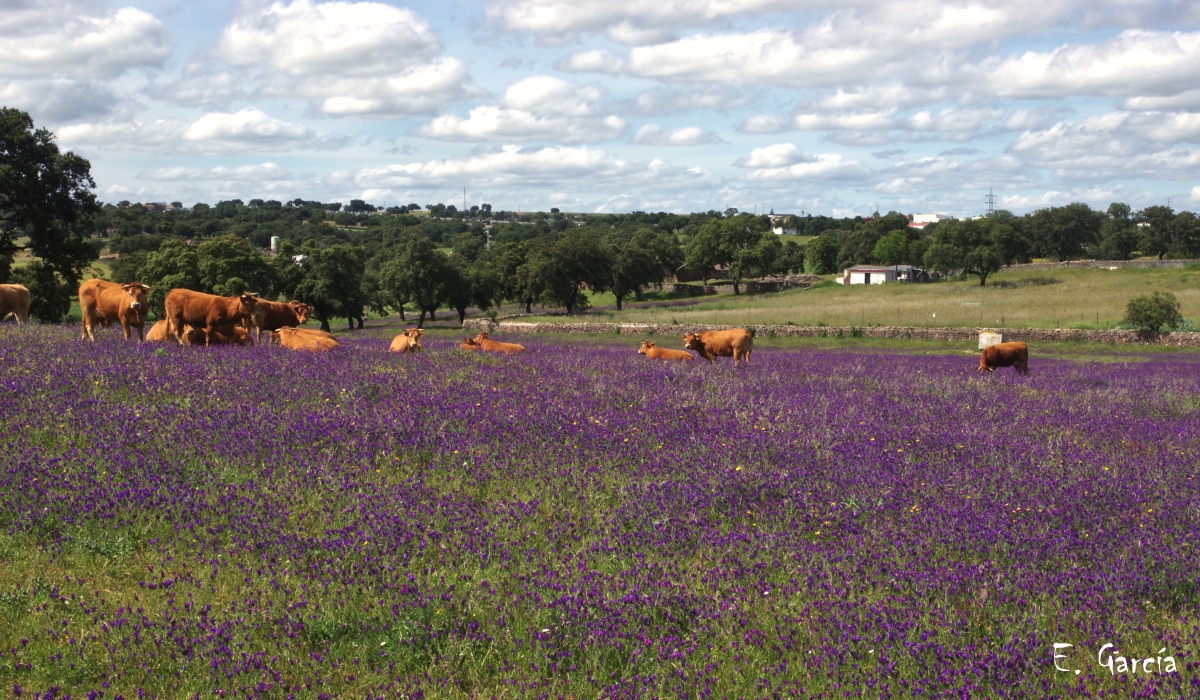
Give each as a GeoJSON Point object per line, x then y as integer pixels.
{"type": "Point", "coordinates": [141, 332]}
{"type": "Point", "coordinates": [125, 327]}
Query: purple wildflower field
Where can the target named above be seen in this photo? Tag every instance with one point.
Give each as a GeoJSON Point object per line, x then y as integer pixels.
{"type": "Point", "coordinates": [579, 521]}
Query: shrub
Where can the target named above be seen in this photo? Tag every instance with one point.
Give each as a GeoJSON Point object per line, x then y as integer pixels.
{"type": "Point", "coordinates": [1153, 311]}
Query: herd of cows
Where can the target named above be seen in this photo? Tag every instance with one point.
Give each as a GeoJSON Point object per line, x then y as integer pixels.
{"type": "Point", "coordinates": [196, 318]}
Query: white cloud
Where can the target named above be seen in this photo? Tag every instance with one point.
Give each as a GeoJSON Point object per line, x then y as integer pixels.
{"type": "Point", "coordinates": [1116, 144]}
{"type": "Point", "coordinates": [660, 101]}
{"type": "Point", "coordinates": [824, 166]}
{"type": "Point", "coordinates": [79, 41]}
{"type": "Point", "coordinates": [554, 18]}
{"type": "Point", "coordinates": [596, 60]}
{"type": "Point", "coordinates": [344, 38]}
{"type": "Point", "coordinates": [58, 100]}
{"type": "Point", "coordinates": [243, 173]}
{"type": "Point", "coordinates": [490, 123]}
{"type": "Point", "coordinates": [1135, 63]}
{"type": "Point", "coordinates": [766, 124]}
{"type": "Point", "coordinates": [780, 155]}
{"type": "Point", "coordinates": [1195, 195]}
{"type": "Point", "coordinates": [655, 135]}
{"type": "Point", "coordinates": [560, 167]}
{"type": "Point", "coordinates": [541, 94]}
{"type": "Point", "coordinates": [214, 132]}
{"type": "Point", "coordinates": [346, 58]}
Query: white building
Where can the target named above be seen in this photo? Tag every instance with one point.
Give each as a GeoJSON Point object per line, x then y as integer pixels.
{"type": "Point", "coordinates": [881, 274]}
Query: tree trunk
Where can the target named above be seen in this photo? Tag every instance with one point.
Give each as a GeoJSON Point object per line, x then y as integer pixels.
{"type": "Point", "coordinates": [432, 318]}
{"type": "Point", "coordinates": [528, 304]}
{"type": "Point", "coordinates": [736, 291]}
{"type": "Point", "coordinates": [637, 293]}
{"type": "Point", "coordinates": [324, 324]}
{"type": "Point", "coordinates": [360, 323]}
{"type": "Point", "coordinates": [402, 314]}
{"type": "Point", "coordinates": [350, 322]}
{"type": "Point", "coordinates": [462, 316]}
{"type": "Point", "coordinates": [619, 298]}
{"type": "Point", "coordinates": [421, 320]}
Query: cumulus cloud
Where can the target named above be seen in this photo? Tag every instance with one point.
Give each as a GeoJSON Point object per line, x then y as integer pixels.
{"type": "Point", "coordinates": [78, 41]}
{"type": "Point", "coordinates": [345, 58]}
{"type": "Point", "coordinates": [1128, 144]}
{"type": "Point", "coordinates": [780, 155]}
{"type": "Point", "coordinates": [636, 21]}
{"type": "Point", "coordinates": [243, 173]}
{"type": "Point", "coordinates": [56, 57]}
{"type": "Point", "coordinates": [1135, 63]}
{"type": "Point", "coordinates": [659, 101]}
{"type": "Point", "coordinates": [655, 135]}
{"type": "Point", "coordinates": [215, 132]}
{"type": "Point", "coordinates": [824, 167]}
{"type": "Point", "coordinates": [491, 123]}
{"type": "Point", "coordinates": [538, 108]}
{"type": "Point", "coordinates": [542, 94]}
{"type": "Point", "coordinates": [562, 167]}
{"type": "Point", "coordinates": [766, 124]}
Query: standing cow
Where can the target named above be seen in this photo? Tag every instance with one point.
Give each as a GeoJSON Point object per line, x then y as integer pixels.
{"type": "Point", "coordinates": [1015, 355]}
{"type": "Point", "coordinates": [270, 316]}
{"type": "Point", "coordinates": [206, 312]}
{"type": "Point", "coordinates": [102, 303]}
{"type": "Point", "coordinates": [14, 301]}
{"type": "Point", "coordinates": [736, 343]}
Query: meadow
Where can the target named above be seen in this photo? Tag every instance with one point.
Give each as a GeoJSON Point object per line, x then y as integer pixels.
{"type": "Point", "coordinates": [1059, 298]}
{"type": "Point", "coordinates": [831, 521]}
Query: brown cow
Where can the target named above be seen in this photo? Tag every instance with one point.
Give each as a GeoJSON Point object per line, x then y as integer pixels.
{"type": "Point", "coordinates": [469, 344]}
{"type": "Point", "coordinates": [736, 343]}
{"type": "Point", "coordinates": [270, 316]}
{"type": "Point", "coordinates": [14, 301]}
{"type": "Point", "coordinates": [654, 353]}
{"type": "Point", "coordinates": [294, 339]}
{"type": "Point", "coordinates": [206, 312]}
{"type": "Point", "coordinates": [408, 341]}
{"type": "Point", "coordinates": [1015, 355]}
{"type": "Point", "coordinates": [158, 333]}
{"type": "Point", "coordinates": [103, 303]}
{"type": "Point", "coordinates": [488, 345]}
{"type": "Point", "coordinates": [197, 336]}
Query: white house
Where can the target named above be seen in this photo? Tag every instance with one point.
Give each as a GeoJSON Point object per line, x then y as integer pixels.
{"type": "Point", "coordinates": [879, 274]}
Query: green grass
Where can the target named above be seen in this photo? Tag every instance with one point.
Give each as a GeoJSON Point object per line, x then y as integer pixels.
{"type": "Point", "coordinates": [1066, 298]}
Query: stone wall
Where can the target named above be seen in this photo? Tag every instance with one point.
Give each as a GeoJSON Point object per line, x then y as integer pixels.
{"type": "Point", "coordinates": [1027, 335]}
{"type": "Point", "coordinates": [1100, 264]}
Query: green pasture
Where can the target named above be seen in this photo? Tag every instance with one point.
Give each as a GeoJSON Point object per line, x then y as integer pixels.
{"type": "Point", "coordinates": [1060, 298]}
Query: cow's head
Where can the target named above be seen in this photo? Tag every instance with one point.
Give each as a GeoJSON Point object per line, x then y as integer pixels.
{"type": "Point", "coordinates": [646, 345]}
{"type": "Point", "coordinates": [249, 300]}
{"type": "Point", "coordinates": [136, 291]}
{"type": "Point", "coordinates": [481, 337]}
{"type": "Point", "coordinates": [414, 333]}
{"type": "Point", "coordinates": [193, 336]}
{"type": "Point", "coordinates": [301, 310]}
{"type": "Point", "coordinates": [691, 341]}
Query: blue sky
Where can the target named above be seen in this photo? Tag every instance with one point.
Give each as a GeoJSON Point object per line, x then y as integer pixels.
{"type": "Point", "coordinates": [593, 105]}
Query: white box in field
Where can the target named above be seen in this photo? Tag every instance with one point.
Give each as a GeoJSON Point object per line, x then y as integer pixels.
{"type": "Point", "coordinates": [987, 340]}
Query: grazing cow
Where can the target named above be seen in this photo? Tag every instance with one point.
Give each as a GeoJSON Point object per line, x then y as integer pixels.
{"type": "Point", "coordinates": [488, 345]}
{"type": "Point", "coordinates": [654, 353]}
{"type": "Point", "coordinates": [14, 301]}
{"type": "Point", "coordinates": [102, 303]}
{"type": "Point", "coordinates": [1015, 355]}
{"type": "Point", "coordinates": [408, 341]}
{"type": "Point", "coordinates": [158, 333]}
{"type": "Point", "coordinates": [206, 312]}
{"type": "Point", "coordinates": [270, 316]}
{"type": "Point", "coordinates": [737, 343]}
{"type": "Point", "coordinates": [294, 339]}
{"type": "Point", "coordinates": [469, 344]}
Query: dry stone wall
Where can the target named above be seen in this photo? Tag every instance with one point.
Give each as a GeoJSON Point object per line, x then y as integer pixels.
{"type": "Point", "coordinates": [1027, 335]}
{"type": "Point", "coordinates": [1099, 263]}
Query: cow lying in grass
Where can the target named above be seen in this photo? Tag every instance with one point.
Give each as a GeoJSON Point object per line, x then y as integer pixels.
{"type": "Point", "coordinates": [159, 333]}
{"type": "Point", "coordinates": [304, 340]}
{"type": "Point", "coordinates": [654, 353]}
{"type": "Point", "coordinates": [469, 345]}
{"type": "Point", "coordinates": [489, 345]}
{"type": "Point", "coordinates": [1015, 355]}
{"type": "Point", "coordinates": [198, 336]}
{"type": "Point", "coordinates": [736, 343]}
{"type": "Point", "coordinates": [408, 341]}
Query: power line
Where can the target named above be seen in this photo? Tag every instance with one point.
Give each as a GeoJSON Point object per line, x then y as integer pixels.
{"type": "Point", "coordinates": [991, 201]}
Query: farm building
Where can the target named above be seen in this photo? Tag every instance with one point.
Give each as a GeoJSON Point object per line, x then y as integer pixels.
{"type": "Point", "coordinates": [880, 274]}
